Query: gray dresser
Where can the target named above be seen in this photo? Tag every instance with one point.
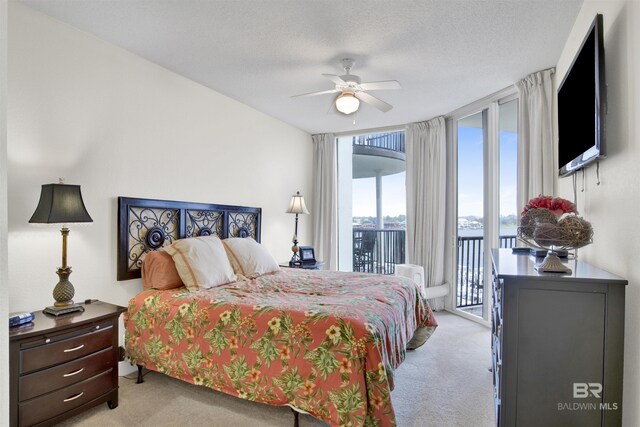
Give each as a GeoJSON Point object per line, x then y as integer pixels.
{"type": "Point", "coordinates": [557, 344]}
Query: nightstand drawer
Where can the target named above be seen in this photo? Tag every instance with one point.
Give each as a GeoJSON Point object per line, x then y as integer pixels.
{"type": "Point", "coordinates": [44, 407]}
{"type": "Point", "coordinates": [43, 356]}
{"type": "Point", "coordinates": [42, 382]}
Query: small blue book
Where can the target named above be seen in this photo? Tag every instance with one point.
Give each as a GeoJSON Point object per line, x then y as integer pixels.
{"type": "Point", "coordinates": [18, 318]}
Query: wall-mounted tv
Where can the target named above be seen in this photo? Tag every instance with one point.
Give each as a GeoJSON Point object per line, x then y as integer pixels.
{"type": "Point", "coordinates": [582, 105]}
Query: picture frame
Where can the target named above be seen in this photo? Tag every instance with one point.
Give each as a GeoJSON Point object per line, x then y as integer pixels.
{"type": "Point", "coordinates": [307, 255]}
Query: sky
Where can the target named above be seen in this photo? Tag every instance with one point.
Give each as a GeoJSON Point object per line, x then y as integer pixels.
{"type": "Point", "coordinates": [470, 172]}
{"type": "Point", "coordinates": [393, 196]}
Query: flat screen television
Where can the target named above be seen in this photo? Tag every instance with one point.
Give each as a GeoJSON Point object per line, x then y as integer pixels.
{"type": "Point", "coordinates": [582, 105]}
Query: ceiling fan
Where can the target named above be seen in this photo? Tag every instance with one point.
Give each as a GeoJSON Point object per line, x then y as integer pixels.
{"type": "Point", "coordinates": [352, 91]}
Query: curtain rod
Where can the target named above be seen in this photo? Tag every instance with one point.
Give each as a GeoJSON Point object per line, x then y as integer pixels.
{"type": "Point", "coordinates": [473, 106]}
{"type": "Point", "coordinates": [368, 131]}
{"type": "Point", "coordinates": [502, 93]}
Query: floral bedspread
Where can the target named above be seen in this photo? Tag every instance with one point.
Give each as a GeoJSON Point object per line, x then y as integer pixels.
{"type": "Point", "coordinates": [320, 341]}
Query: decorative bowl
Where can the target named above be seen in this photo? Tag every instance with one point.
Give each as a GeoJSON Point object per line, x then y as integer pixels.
{"type": "Point", "coordinates": [541, 228]}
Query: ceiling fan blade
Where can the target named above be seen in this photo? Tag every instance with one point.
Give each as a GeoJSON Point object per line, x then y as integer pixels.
{"type": "Point", "coordinates": [322, 92]}
{"type": "Point", "coordinates": [372, 100]}
{"type": "Point", "coordinates": [383, 85]}
{"type": "Point", "coordinates": [336, 79]}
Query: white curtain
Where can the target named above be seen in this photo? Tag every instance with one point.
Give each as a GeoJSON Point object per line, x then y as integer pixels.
{"type": "Point", "coordinates": [426, 200]}
{"type": "Point", "coordinates": [325, 206]}
{"type": "Point", "coordinates": [536, 152]}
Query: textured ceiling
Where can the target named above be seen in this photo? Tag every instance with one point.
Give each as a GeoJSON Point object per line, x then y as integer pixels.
{"type": "Point", "coordinates": [445, 54]}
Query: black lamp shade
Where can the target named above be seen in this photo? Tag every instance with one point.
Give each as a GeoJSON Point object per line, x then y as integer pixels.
{"type": "Point", "coordinates": [60, 203]}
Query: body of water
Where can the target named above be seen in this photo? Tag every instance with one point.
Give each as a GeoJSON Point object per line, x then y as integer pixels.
{"type": "Point", "coordinates": [467, 232]}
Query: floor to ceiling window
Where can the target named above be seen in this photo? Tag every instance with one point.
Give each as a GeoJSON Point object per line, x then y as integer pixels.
{"type": "Point", "coordinates": [485, 143]}
{"type": "Point", "coordinates": [371, 202]}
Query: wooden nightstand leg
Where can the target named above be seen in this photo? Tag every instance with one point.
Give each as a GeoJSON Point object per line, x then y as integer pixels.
{"type": "Point", "coordinates": [113, 399]}
{"type": "Point", "coordinates": [140, 380]}
{"type": "Point", "coordinates": [113, 403]}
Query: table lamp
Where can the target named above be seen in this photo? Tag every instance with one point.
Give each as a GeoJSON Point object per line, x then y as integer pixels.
{"type": "Point", "coordinates": [61, 204]}
{"type": "Point", "coordinates": [296, 206]}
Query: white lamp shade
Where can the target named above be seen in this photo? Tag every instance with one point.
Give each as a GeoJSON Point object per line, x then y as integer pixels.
{"type": "Point", "coordinates": [297, 206]}
{"type": "Point", "coordinates": [346, 103]}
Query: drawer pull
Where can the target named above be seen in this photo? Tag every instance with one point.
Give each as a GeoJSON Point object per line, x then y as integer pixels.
{"type": "Point", "coordinates": [98, 327]}
{"type": "Point", "coordinates": [69, 350]}
{"type": "Point", "coordinates": [69, 399]}
{"type": "Point", "coordinates": [70, 374]}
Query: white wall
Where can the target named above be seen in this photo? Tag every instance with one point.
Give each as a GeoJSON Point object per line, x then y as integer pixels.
{"type": "Point", "coordinates": [614, 206]}
{"type": "Point", "coordinates": [118, 125]}
{"type": "Point", "coordinates": [4, 297]}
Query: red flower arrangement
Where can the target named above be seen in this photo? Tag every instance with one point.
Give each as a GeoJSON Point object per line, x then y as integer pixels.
{"type": "Point", "coordinates": [557, 205]}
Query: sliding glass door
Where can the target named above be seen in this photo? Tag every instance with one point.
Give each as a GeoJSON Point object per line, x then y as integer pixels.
{"type": "Point", "coordinates": [471, 232]}
{"type": "Point", "coordinates": [485, 143]}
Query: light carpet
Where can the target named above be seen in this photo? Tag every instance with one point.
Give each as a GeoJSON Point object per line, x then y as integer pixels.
{"type": "Point", "coordinates": [444, 383]}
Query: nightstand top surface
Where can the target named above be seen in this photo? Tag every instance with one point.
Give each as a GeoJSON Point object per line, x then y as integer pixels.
{"type": "Point", "coordinates": [45, 322]}
{"type": "Point", "coordinates": [306, 266]}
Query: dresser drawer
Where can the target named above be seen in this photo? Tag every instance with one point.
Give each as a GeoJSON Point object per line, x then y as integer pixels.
{"type": "Point", "coordinates": [44, 407]}
{"type": "Point", "coordinates": [60, 376]}
{"type": "Point", "coordinates": [496, 323]}
{"type": "Point", "coordinates": [497, 292]}
{"type": "Point", "coordinates": [43, 356]}
{"type": "Point", "coordinates": [496, 366]}
{"type": "Point", "coordinates": [496, 350]}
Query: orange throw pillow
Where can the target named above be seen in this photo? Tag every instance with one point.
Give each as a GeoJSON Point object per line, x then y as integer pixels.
{"type": "Point", "coordinates": [159, 271]}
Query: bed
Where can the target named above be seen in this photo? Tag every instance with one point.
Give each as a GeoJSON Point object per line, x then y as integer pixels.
{"type": "Point", "coordinates": [325, 343]}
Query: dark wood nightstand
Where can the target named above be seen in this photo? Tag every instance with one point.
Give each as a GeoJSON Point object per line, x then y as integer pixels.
{"type": "Point", "coordinates": [318, 265]}
{"type": "Point", "coordinates": [61, 366]}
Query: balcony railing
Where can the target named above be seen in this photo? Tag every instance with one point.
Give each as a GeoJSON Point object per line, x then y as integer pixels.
{"type": "Point", "coordinates": [470, 268]}
{"type": "Point", "coordinates": [378, 250]}
{"type": "Point", "coordinates": [389, 141]}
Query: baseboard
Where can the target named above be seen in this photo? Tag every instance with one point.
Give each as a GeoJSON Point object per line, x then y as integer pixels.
{"type": "Point", "coordinates": [468, 316]}
{"type": "Point", "coordinates": [126, 368]}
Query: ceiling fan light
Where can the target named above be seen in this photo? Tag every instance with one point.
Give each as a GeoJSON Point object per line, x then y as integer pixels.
{"type": "Point", "coordinates": [346, 103]}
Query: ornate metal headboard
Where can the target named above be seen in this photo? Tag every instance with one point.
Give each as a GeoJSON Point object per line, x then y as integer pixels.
{"type": "Point", "coordinates": [145, 225]}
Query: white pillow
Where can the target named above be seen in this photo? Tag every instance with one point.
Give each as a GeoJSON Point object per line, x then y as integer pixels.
{"type": "Point", "coordinates": [248, 257]}
{"type": "Point", "coordinates": [201, 262]}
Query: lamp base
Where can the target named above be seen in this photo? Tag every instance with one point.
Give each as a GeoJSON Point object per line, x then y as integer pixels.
{"type": "Point", "coordinates": [63, 292]}
{"type": "Point", "coordinates": [295, 258]}
{"type": "Point", "coordinates": [59, 311]}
